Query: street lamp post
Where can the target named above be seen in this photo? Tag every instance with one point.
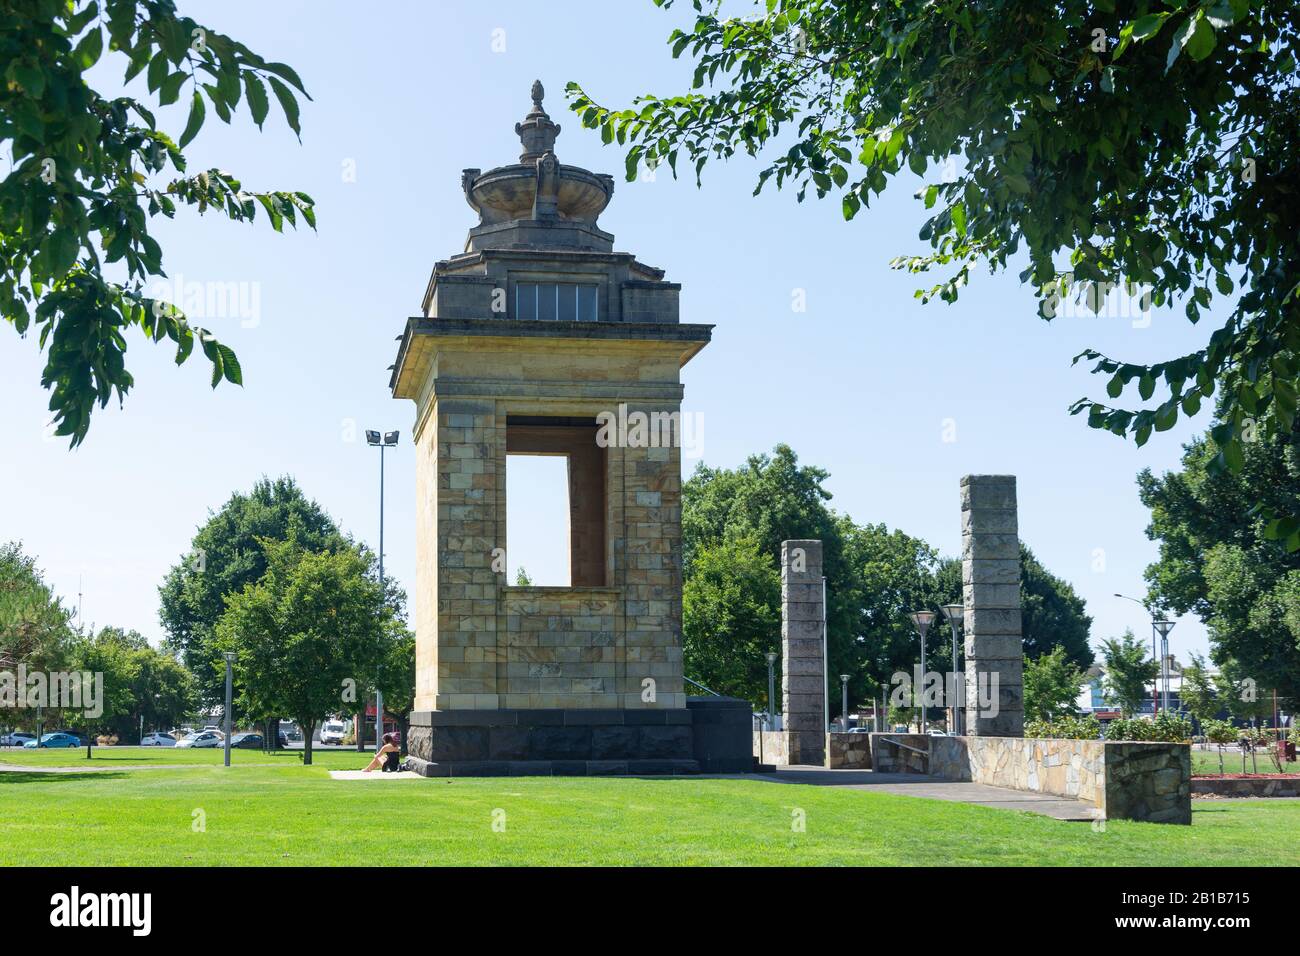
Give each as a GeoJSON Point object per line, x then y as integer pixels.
{"type": "Point", "coordinates": [844, 701]}
{"type": "Point", "coordinates": [922, 620]}
{"type": "Point", "coordinates": [1155, 690]}
{"type": "Point", "coordinates": [230, 660]}
{"type": "Point", "coordinates": [953, 614]}
{"type": "Point", "coordinates": [374, 441]}
{"type": "Point", "coordinates": [771, 689]}
{"type": "Point", "coordinates": [1163, 628]}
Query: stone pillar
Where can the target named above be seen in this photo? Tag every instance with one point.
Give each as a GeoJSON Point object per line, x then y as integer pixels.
{"type": "Point", "coordinates": [990, 572]}
{"type": "Point", "coordinates": [803, 672]}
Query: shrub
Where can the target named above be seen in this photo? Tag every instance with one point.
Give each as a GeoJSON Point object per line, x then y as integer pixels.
{"type": "Point", "coordinates": [1086, 727]}
{"type": "Point", "coordinates": [1167, 727]}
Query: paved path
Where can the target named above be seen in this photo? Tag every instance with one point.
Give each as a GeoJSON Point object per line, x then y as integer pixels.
{"type": "Point", "coordinates": [915, 785]}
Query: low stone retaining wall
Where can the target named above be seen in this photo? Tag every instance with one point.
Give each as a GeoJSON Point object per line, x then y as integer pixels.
{"type": "Point", "coordinates": [1067, 768]}
{"type": "Point", "coordinates": [772, 747]}
{"type": "Point", "coordinates": [1246, 786]}
{"type": "Point", "coordinates": [848, 751]}
{"type": "Point", "coordinates": [1124, 780]}
{"type": "Point", "coordinates": [911, 757]}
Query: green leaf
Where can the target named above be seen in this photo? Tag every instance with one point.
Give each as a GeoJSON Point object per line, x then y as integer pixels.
{"type": "Point", "coordinates": [255, 90]}
{"type": "Point", "coordinates": [197, 112]}
{"type": "Point", "coordinates": [1201, 43]}
{"type": "Point", "coordinates": [170, 91]}
{"type": "Point", "coordinates": [287, 103]}
{"type": "Point", "coordinates": [1148, 26]}
{"type": "Point", "coordinates": [90, 48]}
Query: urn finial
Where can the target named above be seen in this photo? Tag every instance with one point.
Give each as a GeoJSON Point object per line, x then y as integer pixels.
{"type": "Point", "coordinates": [537, 132]}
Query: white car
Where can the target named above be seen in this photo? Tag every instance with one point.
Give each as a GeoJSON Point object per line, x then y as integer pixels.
{"type": "Point", "coordinates": [202, 738]}
{"type": "Point", "coordinates": [158, 739]}
{"type": "Point", "coordinates": [333, 731]}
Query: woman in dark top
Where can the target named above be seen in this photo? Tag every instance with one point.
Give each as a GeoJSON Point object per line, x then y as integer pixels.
{"type": "Point", "coordinates": [389, 756]}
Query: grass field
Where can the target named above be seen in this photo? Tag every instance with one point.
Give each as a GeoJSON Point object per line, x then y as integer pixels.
{"type": "Point", "coordinates": [270, 810]}
{"type": "Point", "coordinates": [1207, 762]}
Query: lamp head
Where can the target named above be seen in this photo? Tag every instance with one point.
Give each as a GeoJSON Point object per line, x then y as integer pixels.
{"type": "Point", "coordinates": [771, 657]}
{"type": "Point", "coordinates": [952, 613]}
{"type": "Point", "coordinates": [922, 620]}
{"type": "Point", "coordinates": [390, 438]}
{"type": "Point", "coordinates": [230, 657]}
{"type": "Point", "coordinates": [1163, 627]}
{"type": "Point", "coordinates": [372, 437]}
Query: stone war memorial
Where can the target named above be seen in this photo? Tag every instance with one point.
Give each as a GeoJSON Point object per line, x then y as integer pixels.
{"type": "Point", "coordinates": [540, 339]}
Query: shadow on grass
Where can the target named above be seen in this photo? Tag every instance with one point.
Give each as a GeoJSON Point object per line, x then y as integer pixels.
{"type": "Point", "coordinates": [47, 776]}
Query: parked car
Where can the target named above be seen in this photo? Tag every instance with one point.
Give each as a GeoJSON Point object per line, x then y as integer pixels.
{"type": "Point", "coordinates": [333, 732]}
{"type": "Point", "coordinates": [53, 740]}
{"type": "Point", "coordinates": [16, 739]}
{"type": "Point", "coordinates": [158, 739]}
{"type": "Point", "coordinates": [247, 741]}
{"type": "Point", "coordinates": [201, 738]}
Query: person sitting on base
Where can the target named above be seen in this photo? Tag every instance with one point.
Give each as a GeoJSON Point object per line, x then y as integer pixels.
{"type": "Point", "coordinates": [389, 756]}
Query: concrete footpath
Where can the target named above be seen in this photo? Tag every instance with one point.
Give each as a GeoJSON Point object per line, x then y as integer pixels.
{"type": "Point", "coordinates": [933, 788]}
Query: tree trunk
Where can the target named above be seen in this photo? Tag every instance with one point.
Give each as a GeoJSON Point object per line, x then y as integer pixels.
{"type": "Point", "coordinates": [360, 729]}
{"type": "Point", "coordinates": [403, 725]}
{"type": "Point", "coordinates": [308, 729]}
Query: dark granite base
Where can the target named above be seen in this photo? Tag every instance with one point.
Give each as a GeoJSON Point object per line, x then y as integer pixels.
{"type": "Point", "coordinates": [710, 735]}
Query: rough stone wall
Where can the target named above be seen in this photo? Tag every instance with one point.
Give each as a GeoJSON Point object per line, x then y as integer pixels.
{"type": "Point", "coordinates": [1068, 768]}
{"type": "Point", "coordinates": [887, 758]}
{"type": "Point", "coordinates": [803, 680]}
{"type": "Point", "coordinates": [991, 593]}
{"type": "Point", "coordinates": [772, 747]}
{"type": "Point", "coordinates": [1124, 780]}
{"type": "Point", "coordinates": [848, 751]}
{"type": "Point", "coordinates": [1148, 781]}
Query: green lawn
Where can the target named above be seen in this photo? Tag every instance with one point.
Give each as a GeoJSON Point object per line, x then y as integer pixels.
{"type": "Point", "coordinates": [1207, 762]}
{"type": "Point", "coordinates": [287, 814]}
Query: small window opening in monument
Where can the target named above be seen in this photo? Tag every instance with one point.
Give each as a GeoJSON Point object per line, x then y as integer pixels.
{"type": "Point", "coordinates": [555, 301]}
{"type": "Point", "coordinates": [537, 519]}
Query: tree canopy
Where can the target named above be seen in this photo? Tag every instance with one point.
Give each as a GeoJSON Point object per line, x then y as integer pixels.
{"type": "Point", "coordinates": [1091, 145]}
{"type": "Point", "coordinates": [733, 523]}
{"type": "Point", "coordinates": [1223, 559]}
{"type": "Point", "coordinates": [90, 170]}
{"type": "Point", "coordinates": [1128, 672]}
{"type": "Point", "coordinates": [227, 554]}
{"type": "Point", "coordinates": [36, 629]}
{"type": "Point", "coordinates": [315, 624]}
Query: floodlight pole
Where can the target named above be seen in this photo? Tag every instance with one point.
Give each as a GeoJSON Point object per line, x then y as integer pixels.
{"type": "Point", "coordinates": [230, 659]}
{"type": "Point", "coordinates": [382, 441]}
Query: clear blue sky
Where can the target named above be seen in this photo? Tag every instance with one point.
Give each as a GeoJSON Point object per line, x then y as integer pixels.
{"type": "Point", "coordinates": [863, 383]}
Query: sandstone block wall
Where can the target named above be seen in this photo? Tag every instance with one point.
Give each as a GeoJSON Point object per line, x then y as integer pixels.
{"type": "Point", "coordinates": [483, 644]}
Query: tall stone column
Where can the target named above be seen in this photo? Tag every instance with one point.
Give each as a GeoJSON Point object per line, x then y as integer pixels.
{"type": "Point", "coordinates": [803, 671]}
{"type": "Point", "coordinates": [990, 572]}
